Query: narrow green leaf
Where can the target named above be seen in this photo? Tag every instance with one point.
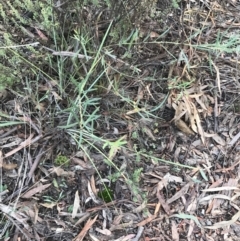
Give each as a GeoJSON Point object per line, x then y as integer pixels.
{"type": "Point", "coordinates": [203, 175]}
{"type": "Point", "coordinates": [10, 123]}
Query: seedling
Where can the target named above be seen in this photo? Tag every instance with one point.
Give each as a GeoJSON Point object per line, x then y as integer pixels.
{"type": "Point", "coordinates": [61, 161]}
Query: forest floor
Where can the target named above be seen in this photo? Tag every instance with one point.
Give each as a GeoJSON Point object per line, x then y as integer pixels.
{"type": "Point", "coordinates": [120, 120]}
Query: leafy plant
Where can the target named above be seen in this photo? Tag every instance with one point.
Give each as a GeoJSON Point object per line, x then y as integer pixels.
{"type": "Point", "coordinates": [61, 160]}
{"type": "Point", "coordinates": [106, 194]}
{"type": "Point", "coordinates": [8, 77]}
{"type": "Point", "coordinates": [50, 199]}
{"type": "Point", "coordinates": [136, 175]}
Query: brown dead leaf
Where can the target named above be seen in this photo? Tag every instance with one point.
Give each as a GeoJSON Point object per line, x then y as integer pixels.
{"type": "Point", "coordinates": [83, 165]}
{"type": "Point", "coordinates": [93, 186]}
{"type": "Point", "coordinates": [154, 35]}
{"type": "Point", "coordinates": [92, 194]}
{"type": "Point", "coordinates": [210, 206]}
{"type": "Point", "coordinates": [135, 110]}
{"type": "Point", "coordinates": [140, 208]}
{"type": "Point", "coordinates": [147, 220]}
{"type": "Point", "coordinates": [145, 32]}
{"type": "Point", "coordinates": [61, 172]}
{"type": "Point", "coordinates": [35, 190]}
{"type": "Point", "coordinates": [218, 81]}
{"type": "Point", "coordinates": [71, 54]}
{"type": "Point", "coordinates": [24, 144]}
{"type": "Point", "coordinates": [190, 229]}
{"type": "Point", "coordinates": [140, 94]}
{"type": "Point", "coordinates": [40, 106]}
{"type": "Point", "coordinates": [217, 189]}
{"type": "Point", "coordinates": [127, 238]}
{"type": "Point", "coordinates": [56, 96]}
{"type": "Point", "coordinates": [9, 166]}
{"type": "Point", "coordinates": [83, 232]}
{"type": "Point", "coordinates": [118, 219]}
{"type": "Point", "coordinates": [199, 125]}
{"type": "Point", "coordinates": [43, 87]}
{"type": "Point", "coordinates": [30, 208]}
{"type": "Point", "coordinates": [121, 226]}
{"type": "Point", "coordinates": [219, 140]}
{"type": "Point", "coordinates": [224, 223]}
{"type": "Point", "coordinates": [214, 196]}
{"type": "Point", "coordinates": [6, 166]}
{"type": "Point", "coordinates": [187, 104]}
{"type": "Point", "coordinates": [172, 178]}
{"type": "Point", "coordinates": [193, 123]}
{"type": "Point", "coordinates": [157, 208]}
{"type": "Point", "coordinates": [229, 168]}
{"type": "Point", "coordinates": [182, 126]}
{"type": "Point", "coordinates": [104, 231]}
{"type": "Point", "coordinates": [41, 34]}
{"type": "Point", "coordinates": [226, 189]}
{"type": "Point", "coordinates": [180, 110]}
{"type": "Point", "coordinates": [234, 139]}
{"type": "Point", "coordinates": [12, 212]}
{"type": "Point", "coordinates": [175, 234]}
{"type": "Point", "coordinates": [208, 134]}
{"type": "Point", "coordinates": [217, 183]}
{"type": "Point", "coordinates": [149, 133]}
{"type": "Point", "coordinates": [163, 203]}
{"type": "Point", "coordinates": [179, 194]}
{"type": "Point", "coordinates": [166, 179]}
{"type": "Point", "coordinates": [76, 205]}
{"type": "Point", "coordinates": [199, 101]}
{"type": "Point", "coordinates": [49, 205]}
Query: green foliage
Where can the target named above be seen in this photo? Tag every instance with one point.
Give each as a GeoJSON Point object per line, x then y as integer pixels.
{"type": "Point", "coordinates": [8, 77]}
{"type": "Point", "coordinates": [136, 191]}
{"type": "Point", "coordinates": [83, 76]}
{"type": "Point", "coordinates": [136, 175]}
{"type": "Point", "coordinates": [61, 161]}
{"type": "Point", "coordinates": [70, 208]}
{"type": "Point", "coordinates": [3, 188]}
{"type": "Point", "coordinates": [115, 176]}
{"type": "Point", "coordinates": [114, 146]}
{"type": "Point", "coordinates": [17, 19]}
{"type": "Point", "coordinates": [106, 195]}
{"type": "Point", "coordinates": [175, 3]}
{"type": "Point", "coordinates": [135, 135]}
{"type": "Point", "coordinates": [49, 199]}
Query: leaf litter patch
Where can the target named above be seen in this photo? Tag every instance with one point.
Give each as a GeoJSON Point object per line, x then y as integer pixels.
{"type": "Point", "coordinates": [172, 178]}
